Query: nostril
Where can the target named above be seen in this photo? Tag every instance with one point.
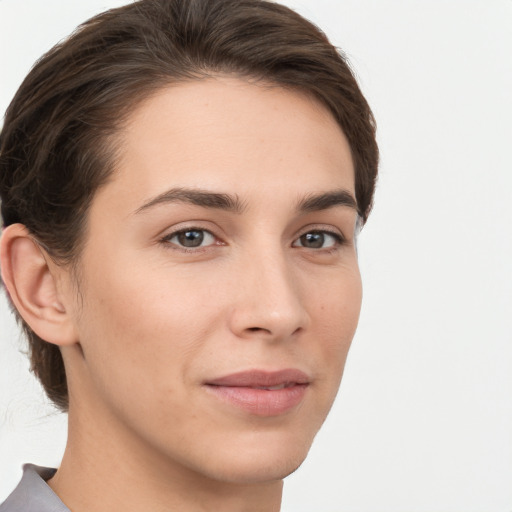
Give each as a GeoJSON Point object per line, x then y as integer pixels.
{"type": "Point", "coordinates": [256, 329]}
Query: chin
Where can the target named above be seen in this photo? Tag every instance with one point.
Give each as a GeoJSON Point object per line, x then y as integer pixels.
{"type": "Point", "coordinates": [263, 459]}
{"type": "Point", "coordinates": [257, 471]}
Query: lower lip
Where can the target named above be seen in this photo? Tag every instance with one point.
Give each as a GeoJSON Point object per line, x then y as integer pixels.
{"type": "Point", "coordinates": [261, 402]}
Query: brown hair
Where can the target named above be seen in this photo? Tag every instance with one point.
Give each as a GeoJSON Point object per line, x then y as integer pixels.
{"type": "Point", "coordinates": [54, 146]}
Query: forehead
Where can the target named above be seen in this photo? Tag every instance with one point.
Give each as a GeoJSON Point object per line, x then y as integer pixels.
{"type": "Point", "coordinates": [229, 135]}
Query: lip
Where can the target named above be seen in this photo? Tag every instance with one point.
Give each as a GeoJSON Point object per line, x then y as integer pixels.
{"type": "Point", "coordinates": [260, 392]}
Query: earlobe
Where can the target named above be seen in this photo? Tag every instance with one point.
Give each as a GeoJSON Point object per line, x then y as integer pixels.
{"type": "Point", "coordinates": [33, 286]}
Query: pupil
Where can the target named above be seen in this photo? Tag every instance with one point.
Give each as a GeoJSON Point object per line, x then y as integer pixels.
{"type": "Point", "coordinates": [191, 238]}
{"type": "Point", "coordinates": [312, 240]}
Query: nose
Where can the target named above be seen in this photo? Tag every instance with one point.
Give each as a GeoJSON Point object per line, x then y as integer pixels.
{"type": "Point", "coordinates": [269, 302]}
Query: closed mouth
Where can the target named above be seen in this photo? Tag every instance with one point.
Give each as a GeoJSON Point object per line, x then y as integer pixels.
{"type": "Point", "coordinates": [261, 393]}
{"type": "Point", "coordinates": [261, 379]}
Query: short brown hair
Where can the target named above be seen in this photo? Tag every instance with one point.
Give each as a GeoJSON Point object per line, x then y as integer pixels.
{"type": "Point", "coordinates": [55, 146]}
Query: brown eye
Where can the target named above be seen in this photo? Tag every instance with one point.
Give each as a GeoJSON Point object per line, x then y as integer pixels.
{"type": "Point", "coordinates": [192, 238]}
{"type": "Point", "coordinates": [312, 240]}
{"type": "Point", "coordinates": [318, 240]}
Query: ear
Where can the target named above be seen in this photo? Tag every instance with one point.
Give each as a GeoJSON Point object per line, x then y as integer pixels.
{"type": "Point", "coordinates": [32, 281]}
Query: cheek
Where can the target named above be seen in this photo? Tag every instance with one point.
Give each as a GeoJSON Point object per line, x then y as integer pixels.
{"type": "Point", "coordinates": [338, 304]}
{"type": "Point", "coordinates": [150, 327]}
{"type": "Point", "coordinates": [155, 321]}
{"type": "Point", "coordinates": [334, 320]}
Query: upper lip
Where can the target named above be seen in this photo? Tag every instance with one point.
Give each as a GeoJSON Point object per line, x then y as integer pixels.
{"type": "Point", "coordinates": [261, 378]}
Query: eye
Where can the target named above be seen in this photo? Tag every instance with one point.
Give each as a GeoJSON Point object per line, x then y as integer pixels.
{"type": "Point", "coordinates": [318, 240]}
{"type": "Point", "coordinates": [190, 238]}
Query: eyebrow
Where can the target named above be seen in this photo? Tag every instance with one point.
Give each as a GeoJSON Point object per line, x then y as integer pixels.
{"type": "Point", "coordinates": [197, 197]}
{"type": "Point", "coordinates": [326, 200]}
{"type": "Point", "coordinates": [227, 202]}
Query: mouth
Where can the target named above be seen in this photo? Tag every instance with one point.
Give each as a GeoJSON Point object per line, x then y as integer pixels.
{"type": "Point", "coordinates": [275, 388]}
{"type": "Point", "coordinates": [261, 393]}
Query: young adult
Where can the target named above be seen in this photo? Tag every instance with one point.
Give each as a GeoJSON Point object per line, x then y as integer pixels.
{"type": "Point", "coordinates": [182, 185]}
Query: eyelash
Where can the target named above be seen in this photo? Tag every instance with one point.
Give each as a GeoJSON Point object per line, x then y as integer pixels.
{"type": "Point", "coordinates": [339, 240]}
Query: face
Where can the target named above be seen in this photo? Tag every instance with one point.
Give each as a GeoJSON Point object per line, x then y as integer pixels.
{"type": "Point", "coordinates": [219, 283]}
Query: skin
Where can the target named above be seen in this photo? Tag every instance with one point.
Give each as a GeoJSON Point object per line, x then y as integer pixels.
{"type": "Point", "coordinates": [150, 321]}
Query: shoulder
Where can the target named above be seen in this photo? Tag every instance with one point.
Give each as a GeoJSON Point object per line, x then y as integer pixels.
{"type": "Point", "coordinates": [33, 494]}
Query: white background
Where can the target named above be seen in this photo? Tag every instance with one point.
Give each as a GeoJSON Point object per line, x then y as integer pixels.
{"type": "Point", "coordinates": [423, 421]}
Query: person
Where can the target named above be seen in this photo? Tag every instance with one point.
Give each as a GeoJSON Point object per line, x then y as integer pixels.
{"type": "Point", "coordinates": [182, 186]}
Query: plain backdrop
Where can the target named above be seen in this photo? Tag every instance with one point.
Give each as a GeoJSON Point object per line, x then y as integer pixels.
{"type": "Point", "coordinates": [423, 421]}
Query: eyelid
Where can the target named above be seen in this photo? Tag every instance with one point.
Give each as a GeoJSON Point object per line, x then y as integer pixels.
{"type": "Point", "coordinates": [322, 228]}
{"type": "Point", "coordinates": [188, 225]}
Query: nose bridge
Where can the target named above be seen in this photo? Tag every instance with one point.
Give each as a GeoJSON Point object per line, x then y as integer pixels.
{"type": "Point", "coordinates": [270, 300]}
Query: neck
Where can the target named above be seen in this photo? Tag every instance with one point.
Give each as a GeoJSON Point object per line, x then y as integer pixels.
{"type": "Point", "coordinates": [104, 468]}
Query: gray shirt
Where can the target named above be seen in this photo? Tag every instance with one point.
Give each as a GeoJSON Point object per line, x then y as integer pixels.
{"type": "Point", "coordinates": [33, 494]}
